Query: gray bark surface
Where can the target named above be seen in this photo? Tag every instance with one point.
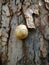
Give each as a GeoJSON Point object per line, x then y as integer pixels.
{"type": "Point", "coordinates": [34, 50]}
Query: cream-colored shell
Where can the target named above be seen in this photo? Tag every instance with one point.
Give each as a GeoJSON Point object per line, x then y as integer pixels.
{"type": "Point", "coordinates": [21, 31]}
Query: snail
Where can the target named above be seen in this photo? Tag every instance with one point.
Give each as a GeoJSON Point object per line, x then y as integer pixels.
{"type": "Point", "coordinates": [21, 31]}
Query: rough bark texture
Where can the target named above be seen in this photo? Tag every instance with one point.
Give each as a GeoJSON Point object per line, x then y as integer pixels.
{"type": "Point", "coordinates": [34, 50]}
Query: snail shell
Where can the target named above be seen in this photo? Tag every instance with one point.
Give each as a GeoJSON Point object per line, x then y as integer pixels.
{"type": "Point", "coordinates": [21, 31]}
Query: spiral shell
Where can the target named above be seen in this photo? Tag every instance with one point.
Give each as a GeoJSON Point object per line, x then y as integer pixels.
{"type": "Point", "coordinates": [21, 31]}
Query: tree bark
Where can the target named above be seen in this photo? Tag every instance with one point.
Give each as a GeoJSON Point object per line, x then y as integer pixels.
{"type": "Point", "coordinates": [34, 50]}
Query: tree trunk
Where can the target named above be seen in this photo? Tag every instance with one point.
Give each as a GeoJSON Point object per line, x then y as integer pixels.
{"type": "Point", "coordinates": [33, 50]}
